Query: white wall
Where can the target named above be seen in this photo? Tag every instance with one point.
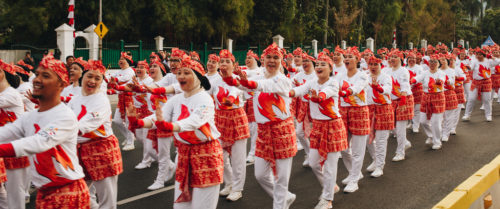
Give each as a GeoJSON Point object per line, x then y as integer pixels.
{"type": "Point", "coordinates": [9, 56]}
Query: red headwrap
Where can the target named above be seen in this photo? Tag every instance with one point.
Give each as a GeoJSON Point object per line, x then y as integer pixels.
{"type": "Point", "coordinates": [367, 51]}
{"type": "Point", "coordinates": [81, 62]}
{"type": "Point", "coordinates": [143, 63]}
{"type": "Point", "coordinates": [289, 56]}
{"type": "Point", "coordinates": [22, 63]}
{"type": "Point", "coordinates": [226, 54]}
{"type": "Point", "coordinates": [250, 53]}
{"type": "Point", "coordinates": [306, 56]}
{"type": "Point", "coordinates": [354, 51]}
{"type": "Point", "coordinates": [434, 57]}
{"type": "Point", "coordinates": [273, 49]}
{"type": "Point", "coordinates": [411, 54]}
{"type": "Point", "coordinates": [7, 68]}
{"type": "Point", "coordinates": [297, 52]}
{"type": "Point", "coordinates": [194, 54]}
{"type": "Point", "coordinates": [187, 62]}
{"type": "Point", "coordinates": [156, 57]}
{"type": "Point", "coordinates": [127, 57]}
{"type": "Point", "coordinates": [57, 66]}
{"type": "Point", "coordinates": [397, 53]}
{"type": "Point", "coordinates": [322, 56]}
{"type": "Point", "coordinates": [339, 50]}
{"type": "Point", "coordinates": [176, 52]}
{"type": "Point", "coordinates": [373, 59]}
{"type": "Point", "coordinates": [214, 57]}
{"type": "Point", "coordinates": [96, 65]}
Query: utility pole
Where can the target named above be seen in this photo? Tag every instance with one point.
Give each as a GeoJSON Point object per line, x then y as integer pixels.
{"type": "Point", "coordinates": [100, 39]}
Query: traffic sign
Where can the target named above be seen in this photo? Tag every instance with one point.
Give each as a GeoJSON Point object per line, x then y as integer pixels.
{"type": "Point", "coordinates": [101, 30]}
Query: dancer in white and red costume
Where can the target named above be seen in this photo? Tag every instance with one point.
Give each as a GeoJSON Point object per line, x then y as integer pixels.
{"type": "Point", "coordinates": [49, 137]}
{"type": "Point", "coordinates": [481, 86]}
{"type": "Point", "coordinates": [252, 71]}
{"type": "Point", "coordinates": [450, 97]}
{"type": "Point", "coordinates": [416, 89]}
{"type": "Point", "coordinates": [98, 148]}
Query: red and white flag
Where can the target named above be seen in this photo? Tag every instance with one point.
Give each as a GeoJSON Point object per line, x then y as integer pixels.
{"type": "Point", "coordinates": [71, 14]}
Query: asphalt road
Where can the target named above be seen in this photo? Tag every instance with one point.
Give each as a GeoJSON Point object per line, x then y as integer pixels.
{"type": "Point", "coordinates": [420, 181]}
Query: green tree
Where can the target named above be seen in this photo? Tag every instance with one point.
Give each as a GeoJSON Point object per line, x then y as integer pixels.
{"type": "Point", "coordinates": [491, 24]}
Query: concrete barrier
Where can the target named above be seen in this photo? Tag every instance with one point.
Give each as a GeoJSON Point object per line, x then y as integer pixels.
{"type": "Point", "coordinates": [480, 191]}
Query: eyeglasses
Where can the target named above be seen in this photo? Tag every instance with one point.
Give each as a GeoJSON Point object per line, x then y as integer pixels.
{"type": "Point", "coordinates": [433, 61]}
{"type": "Point", "coordinates": [175, 60]}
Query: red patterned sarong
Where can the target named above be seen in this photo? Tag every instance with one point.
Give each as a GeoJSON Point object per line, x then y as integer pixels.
{"type": "Point", "coordinates": [124, 99]}
{"type": "Point", "coordinates": [294, 104]}
{"type": "Point", "coordinates": [404, 112]}
{"type": "Point", "coordinates": [482, 86]}
{"type": "Point", "coordinates": [450, 98]}
{"type": "Point", "coordinates": [70, 196]}
{"type": "Point", "coordinates": [382, 117]}
{"type": "Point", "coordinates": [303, 111]}
{"type": "Point", "coordinates": [154, 134]}
{"type": "Point", "coordinates": [356, 119]}
{"type": "Point", "coordinates": [3, 175]}
{"type": "Point", "coordinates": [328, 136]}
{"type": "Point", "coordinates": [232, 125]}
{"type": "Point", "coordinates": [143, 112]}
{"type": "Point", "coordinates": [432, 103]}
{"type": "Point", "coordinates": [100, 158]}
{"type": "Point", "coordinates": [459, 91]}
{"type": "Point", "coordinates": [276, 140]}
{"type": "Point", "coordinates": [198, 165]}
{"type": "Point", "coordinates": [495, 81]}
{"type": "Point", "coordinates": [417, 92]}
{"type": "Point", "coordinates": [249, 110]}
{"type": "Point", "coordinates": [16, 162]}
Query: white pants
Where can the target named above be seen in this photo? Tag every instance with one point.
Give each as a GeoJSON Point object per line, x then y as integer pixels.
{"type": "Point", "coordinates": [467, 90]}
{"type": "Point", "coordinates": [235, 167]}
{"type": "Point", "coordinates": [165, 164]}
{"type": "Point", "coordinates": [416, 117]}
{"type": "Point", "coordinates": [3, 197]}
{"type": "Point", "coordinates": [356, 157]}
{"type": "Point", "coordinates": [122, 126]}
{"type": "Point", "coordinates": [326, 175]}
{"type": "Point", "coordinates": [276, 187]}
{"type": "Point", "coordinates": [433, 127]}
{"type": "Point", "coordinates": [106, 191]}
{"type": "Point", "coordinates": [205, 198]}
{"type": "Point", "coordinates": [149, 154]}
{"type": "Point", "coordinates": [253, 137]}
{"type": "Point", "coordinates": [449, 123]}
{"type": "Point", "coordinates": [485, 98]}
{"type": "Point", "coordinates": [301, 136]}
{"type": "Point", "coordinates": [379, 147]}
{"type": "Point", "coordinates": [16, 186]}
{"type": "Point", "coordinates": [401, 136]}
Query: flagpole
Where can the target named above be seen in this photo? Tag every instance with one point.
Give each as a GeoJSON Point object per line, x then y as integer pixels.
{"type": "Point", "coordinates": [100, 39]}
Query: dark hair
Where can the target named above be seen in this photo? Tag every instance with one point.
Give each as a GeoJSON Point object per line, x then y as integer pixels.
{"type": "Point", "coordinates": [24, 77]}
{"type": "Point", "coordinates": [204, 82]}
{"type": "Point", "coordinates": [70, 56]}
{"type": "Point", "coordinates": [13, 80]}
{"type": "Point", "coordinates": [258, 63]}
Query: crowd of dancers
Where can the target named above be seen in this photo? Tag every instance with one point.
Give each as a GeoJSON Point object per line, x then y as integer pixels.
{"type": "Point", "coordinates": [56, 119]}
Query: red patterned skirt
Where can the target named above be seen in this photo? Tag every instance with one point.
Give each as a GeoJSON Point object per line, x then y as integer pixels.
{"type": "Point", "coordinates": [302, 111]}
{"type": "Point", "coordinates": [417, 92]}
{"type": "Point", "coordinates": [450, 98]}
{"type": "Point", "coordinates": [276, 140]}
{"type": "Point", "coordinates": [294, 106]}
{"type": "Point", "coordinates": [382, 117]}
{"type": "Point", "coordinates": [232, 125]}
{"type": "Point", "coordinates": [198, 165]}
{"type": "Point", "coordinates": [143, 112]}
{"type": "Point", "coordinates": [100, 158]}
{"type": "Point", "coordinates": [154, 134]}
{"type": "Point", "coordinates": [356, 119]}
{"type": "Point", "coordinates": [405, 112]}
{"type": "Point", "coordinates": [124, 99]}
{"type": "Point", "coordinates": [495, 81]}
{"type": "Point", "coordinates": [16, 162]}
{"type": "Point", "coordinates": [482, 86]}
{"type": "Point", "coordinates": [468, 76]}
{"type": "Point", "coordinates": [328, 136]}
{"type": "Point", "coordinates": [70, 196]}
{"type": "Point", "coordinates": [433, 103]}
{"type": "Point", "coordinates": [3, 175]}
{"type": "Point", "coordinates": [459, 91]}
{"type": "Point", "coordinates": [249, 110]}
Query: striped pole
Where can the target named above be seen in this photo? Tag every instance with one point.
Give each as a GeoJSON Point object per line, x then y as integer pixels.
{"type": "Point", "coordinates": [71, 14]}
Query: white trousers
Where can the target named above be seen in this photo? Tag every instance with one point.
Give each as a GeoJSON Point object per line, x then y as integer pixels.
{"type": "Point", "coordinates": [149, 154]}
{"type": "Point", "coordinates": [253, 137]}
{"type": "Point", "coordinates": [467, 90]}
{"type": "Point", "coordinates": [122, 126]}
{"type": "Point", "coordinates": [356, 157]}
{"type": "Point", "coordinates": [326, 175]}
{"type": "Point", "coordinates": [277, 186]}
{"type": "Point", "coordinates": [106, 191]}
{"type": "Point", "coordinates": [456, 118]}
{"type": "Point", "coordinates": [301, 136]}
{"type": "Point", "coordinates": [3, 197]}
{"type": "Point", "coordinates": [400, 130]}
{"type": "Point", "coordinates": [416, 117]}
{"type": "Point", "coordinates": [17, 184]}
{"type": "Point", "coordinates": [449, 119]}
{"type": "Point", "coordinates": [205, 198]}
{"type": "Point", "coordinates": [165, 163]}
{"type": "Point", "coordinates": [235, 167]}
{"type": "Point", "coordinates": [433, 127]}
{"type": "Point", "coordinates": [379, 147]}
{"type": "Point", "coordinates": [485, 98]}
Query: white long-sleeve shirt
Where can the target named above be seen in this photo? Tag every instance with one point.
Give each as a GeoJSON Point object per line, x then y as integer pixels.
{"type": "Point", "coordinates": [329, 108]}
{"type": "Point", "coordinates": [400, 81]}
{"type": "Point", "coordinates": [339, 70]}
{"type": "Point", "coordinates": [459, 73]}
{"type": "Point", "coordinates": [220, 92]}
{"type": "Point", "coordinates": [376, 97]}
{"type": "Point", "coordinates": [301, 78]}
{"type": "Point", "coordinates": [23, 90]}
{"type": "Point", "coordinates": [480, 70]}
{"type": "Point", "coordinates": [124, 76]}
{"type": "Point", "coordinates": [11, 105]}
{"type": "Point", "coordinates": [141, 99]}
{"type": "Point", "coordinates": [168, 80]}
{"type": "Point", "coordinates": [49, 138]}
{"type": "Point", "coordinates": [414, 71]}
{"type": "Point", "coordinates": [449, 78]}
{"type": "Point", "coordinates": [71, 91]}
{"type": "Point", "coordinates": [495, 66]}
{"type": "Point", "coordinates": [357, 83]}
{"type": "Point", "coordinates": [429, 79]}
{"type": "Point", "coordinates": [93, 114]}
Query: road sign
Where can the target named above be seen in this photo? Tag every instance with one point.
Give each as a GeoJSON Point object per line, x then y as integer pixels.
{"type": "Point", "coordinates": [101, 30]}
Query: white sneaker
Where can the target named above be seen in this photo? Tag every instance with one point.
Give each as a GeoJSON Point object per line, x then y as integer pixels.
{"type": "Point", "coordinates": [428, 141]}
{"type": "Point", "coordinates": [323, 204]}
{"type": "Point", "coordinates": [436, 147]}
{"type": "Point", "coordinates": [409, 125]}
{"type": "Point", "coordinates": [377, 173]}
{"type": "Point", "coordinates": [444, 139]}
{"type": "Point", "coordinates": [463, 107]}
{"type": "Point", "coordinates": [398, 158]}
{"type": "Point", "coordinates": [128, 147]}
{"type": "Point", "coordinates": [407, 144]}
{"type": "Point", "coordinates": [453, 132]}
{"type": "Point", "coordinates": [156, 185]}
{"type": "Point", "coordinates": [348, 179]}
{"type": "Point", "coordinates": [234, 196]}
{"type": "Point", "coordinates": [299, 146]}
{"type": "Point", "coordinates": [351, 187]}
{"type": "Point", "coordinates": [305, 164]}
{"type": "Point", "coordinates": [290, 200]}
{"type": "Point", "coordinates": [225, 191]}
{"type": "Point", "coordinates": [415, 130]}
{"type": "Point", "coordinates": [489, 119]}
{"type": "Point", "coordinates": [466, 118]}
{"type": "Point", "coordinates": [171, 172]}
{"type": "Point", "coordinates": [371, 167]}
{"type": "Point", "coordinates": [250, 159]}
{"type": "Point", "coordinates": [143, 165]}
{"type": "Point", "coordinates": [482, 107]}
